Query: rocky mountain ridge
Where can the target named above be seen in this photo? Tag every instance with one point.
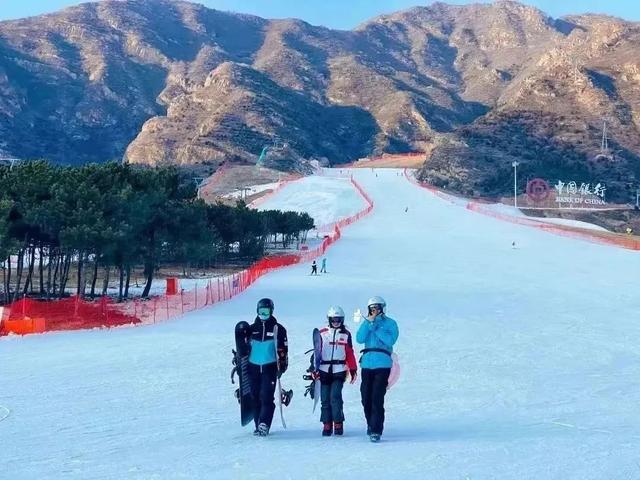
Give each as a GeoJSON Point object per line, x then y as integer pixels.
{"type": "Point", "coordinates": [164, 81]}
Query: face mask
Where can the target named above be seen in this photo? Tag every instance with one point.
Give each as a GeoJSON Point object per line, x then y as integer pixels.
{"type": "Point", "coordinates": [264, 313]}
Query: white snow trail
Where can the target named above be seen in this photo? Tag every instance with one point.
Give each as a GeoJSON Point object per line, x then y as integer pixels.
{"type": "Point", "coordinates": [517, 364]}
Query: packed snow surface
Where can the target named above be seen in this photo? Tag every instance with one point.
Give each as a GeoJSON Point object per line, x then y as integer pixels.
{"type": "Point", "coordinates": [326, 199]}
{"type": "Point", "coordinates": [516, 364]}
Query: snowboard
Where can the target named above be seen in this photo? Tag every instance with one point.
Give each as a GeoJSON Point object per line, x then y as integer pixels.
{"type": "Point", "coordinates": [317, 358]}
{"type": "Point", "coordinates": [278, 386]}
{"type": "Point", "coordinates": [395, 371]}
{"type": "Point", "coordinates": [241, 369]}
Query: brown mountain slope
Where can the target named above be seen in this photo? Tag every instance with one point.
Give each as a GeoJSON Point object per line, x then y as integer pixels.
{"type": "Point", "coordinates": [550, 118]}
{"type": "Point", "coordinates": [79, 84]}
{"type": "Point", "coordinates": [243, 110]}
{"type": "Point", "coordinates": [163, 81]}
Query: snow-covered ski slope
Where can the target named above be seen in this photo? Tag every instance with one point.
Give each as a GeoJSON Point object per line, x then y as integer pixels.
{"type": "Point", "coordinates": [517, 364]}
{"type": "Point", "coordinates": [326, 199]}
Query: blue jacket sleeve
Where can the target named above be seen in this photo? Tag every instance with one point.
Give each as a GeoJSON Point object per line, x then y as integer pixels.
{"type": "Point", "coordinates": [387, 333]}
{"type": "Point", "coordinates": [363, 332]}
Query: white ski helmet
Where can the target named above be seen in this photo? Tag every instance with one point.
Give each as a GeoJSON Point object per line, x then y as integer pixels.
{"type": "Point", "coordinates": [335, 312]}
{"type": "Point", "coordinates": [377, 301]}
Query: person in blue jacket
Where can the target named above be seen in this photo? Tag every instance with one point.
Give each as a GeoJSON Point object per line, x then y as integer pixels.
{"type": "Point", "coordinates": [378, 334]}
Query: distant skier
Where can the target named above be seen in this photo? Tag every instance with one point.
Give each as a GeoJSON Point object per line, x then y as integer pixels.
{"type": "Point", "coordinates": [336, 360]}
{"type": "Point", "coordinates": [379, 333]}
{"type": "Point", "coordinates": [406, 209]}
{"type": "Point", "coordinates": [268, 356]}
{"type": "Point", "coordinates": [314, 268]}
{"type": "Point", "coordinates": [323, 268]}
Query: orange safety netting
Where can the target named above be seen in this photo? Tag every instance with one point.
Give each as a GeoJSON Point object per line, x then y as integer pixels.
{"type": "Point", "coordinates": [31, 316]}
{"type": "Point", "coordinates": [606, 238]}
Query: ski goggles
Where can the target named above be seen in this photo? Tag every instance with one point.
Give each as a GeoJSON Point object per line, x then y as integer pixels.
{"type": "Point", "coordinates": [375, 308]}
{"type": "Point", "coordinates": [264, 312]}
{"type": "Point", "coordinates": [336, 319]}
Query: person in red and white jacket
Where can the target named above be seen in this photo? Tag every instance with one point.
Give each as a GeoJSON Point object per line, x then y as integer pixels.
{"type": "Point", "coordinates": [337, 359]}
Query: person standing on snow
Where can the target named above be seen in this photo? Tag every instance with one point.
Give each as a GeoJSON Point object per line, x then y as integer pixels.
{"type": "Point", "coordinates": [337, 358]}
{"type": "Point", "coordinates": [323, 268]}
{"type": "Point", "coordinates": [268, 359]}
{"type": "Point", "coordinates": [378, 334]}
{"type": "Point", "coordinates": [314, 268]}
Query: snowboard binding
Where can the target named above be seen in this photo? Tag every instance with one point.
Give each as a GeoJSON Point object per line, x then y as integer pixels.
{"type": "Point", "coordinates": [309, 390]}
{"type": "Point", "coordinates": [286, 396]}
{"type": "Point", "coordinates": [234, 370]}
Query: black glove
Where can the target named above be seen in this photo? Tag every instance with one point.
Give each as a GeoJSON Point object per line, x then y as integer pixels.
{"type": "Point", "coordinates": [283, 364]}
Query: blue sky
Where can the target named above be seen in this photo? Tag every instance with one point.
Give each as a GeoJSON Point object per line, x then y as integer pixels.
{"type": "Point", "coordinates": [343, 14]}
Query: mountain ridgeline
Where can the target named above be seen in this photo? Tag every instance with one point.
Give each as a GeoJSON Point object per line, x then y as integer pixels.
{"type": "Point", "coordinates": [168, 82]}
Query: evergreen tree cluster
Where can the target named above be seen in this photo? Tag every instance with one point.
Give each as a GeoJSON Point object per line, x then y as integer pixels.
{"type": "Point", "coordinates": [96, 221]}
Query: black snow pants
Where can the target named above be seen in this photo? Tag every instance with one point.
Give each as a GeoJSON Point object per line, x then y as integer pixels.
{"type": "Point", "coordinates": [331, 397]}
{"type": "Point", "coordinates": [263, 387]}
{"type": "Point", "coordinates": [373, 388]}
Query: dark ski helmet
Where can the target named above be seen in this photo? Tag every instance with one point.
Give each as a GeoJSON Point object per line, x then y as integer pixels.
{"type": "Point", "coordinates": [265, 303]}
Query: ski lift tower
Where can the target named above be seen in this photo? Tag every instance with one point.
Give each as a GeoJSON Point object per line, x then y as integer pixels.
{"type": "Point", "coordinates": [263, 155]}
{"type": "Point", "coordinates": [10, 162]}
{"type": "Point", "coordinates": [605, 152]}
{"type": "Point", "coordinates": [200, 182]}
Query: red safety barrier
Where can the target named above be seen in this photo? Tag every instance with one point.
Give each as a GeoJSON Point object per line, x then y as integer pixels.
{"type": "Point", "coordinates": [480, 206]}
{"type": "Point", "coordinates": [66, 314]}
{"type": "Point", "coordinates": [172, 286]}
{"type": "Point", "coordinates": [76, 314]}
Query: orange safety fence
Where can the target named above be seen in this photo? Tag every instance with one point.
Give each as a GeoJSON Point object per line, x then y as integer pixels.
{"type": "Point", "coordinates": [75, 313]}
{"type": "Point", "coordinates": [605, 238]}
{"type": "Point", "coordinates": [33, 316]}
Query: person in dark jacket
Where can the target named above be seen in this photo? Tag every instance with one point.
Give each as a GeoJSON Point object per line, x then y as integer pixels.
{"type": "Point", "coordinates": [267, 360]}
{"type": "Point", "coordinates": [336, 359]}
{"type": "Point", "coordinates": [314, 268]}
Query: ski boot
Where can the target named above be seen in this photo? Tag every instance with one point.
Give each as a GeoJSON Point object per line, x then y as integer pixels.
{"type": "Point", "coordinates": [374, 437]}
{"type": "Point", "coordinates": [263, 430]}
{"type": "Point", "coordinates": [327, 429]}
{"type": "Point", "coordinates": [338, 428]}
